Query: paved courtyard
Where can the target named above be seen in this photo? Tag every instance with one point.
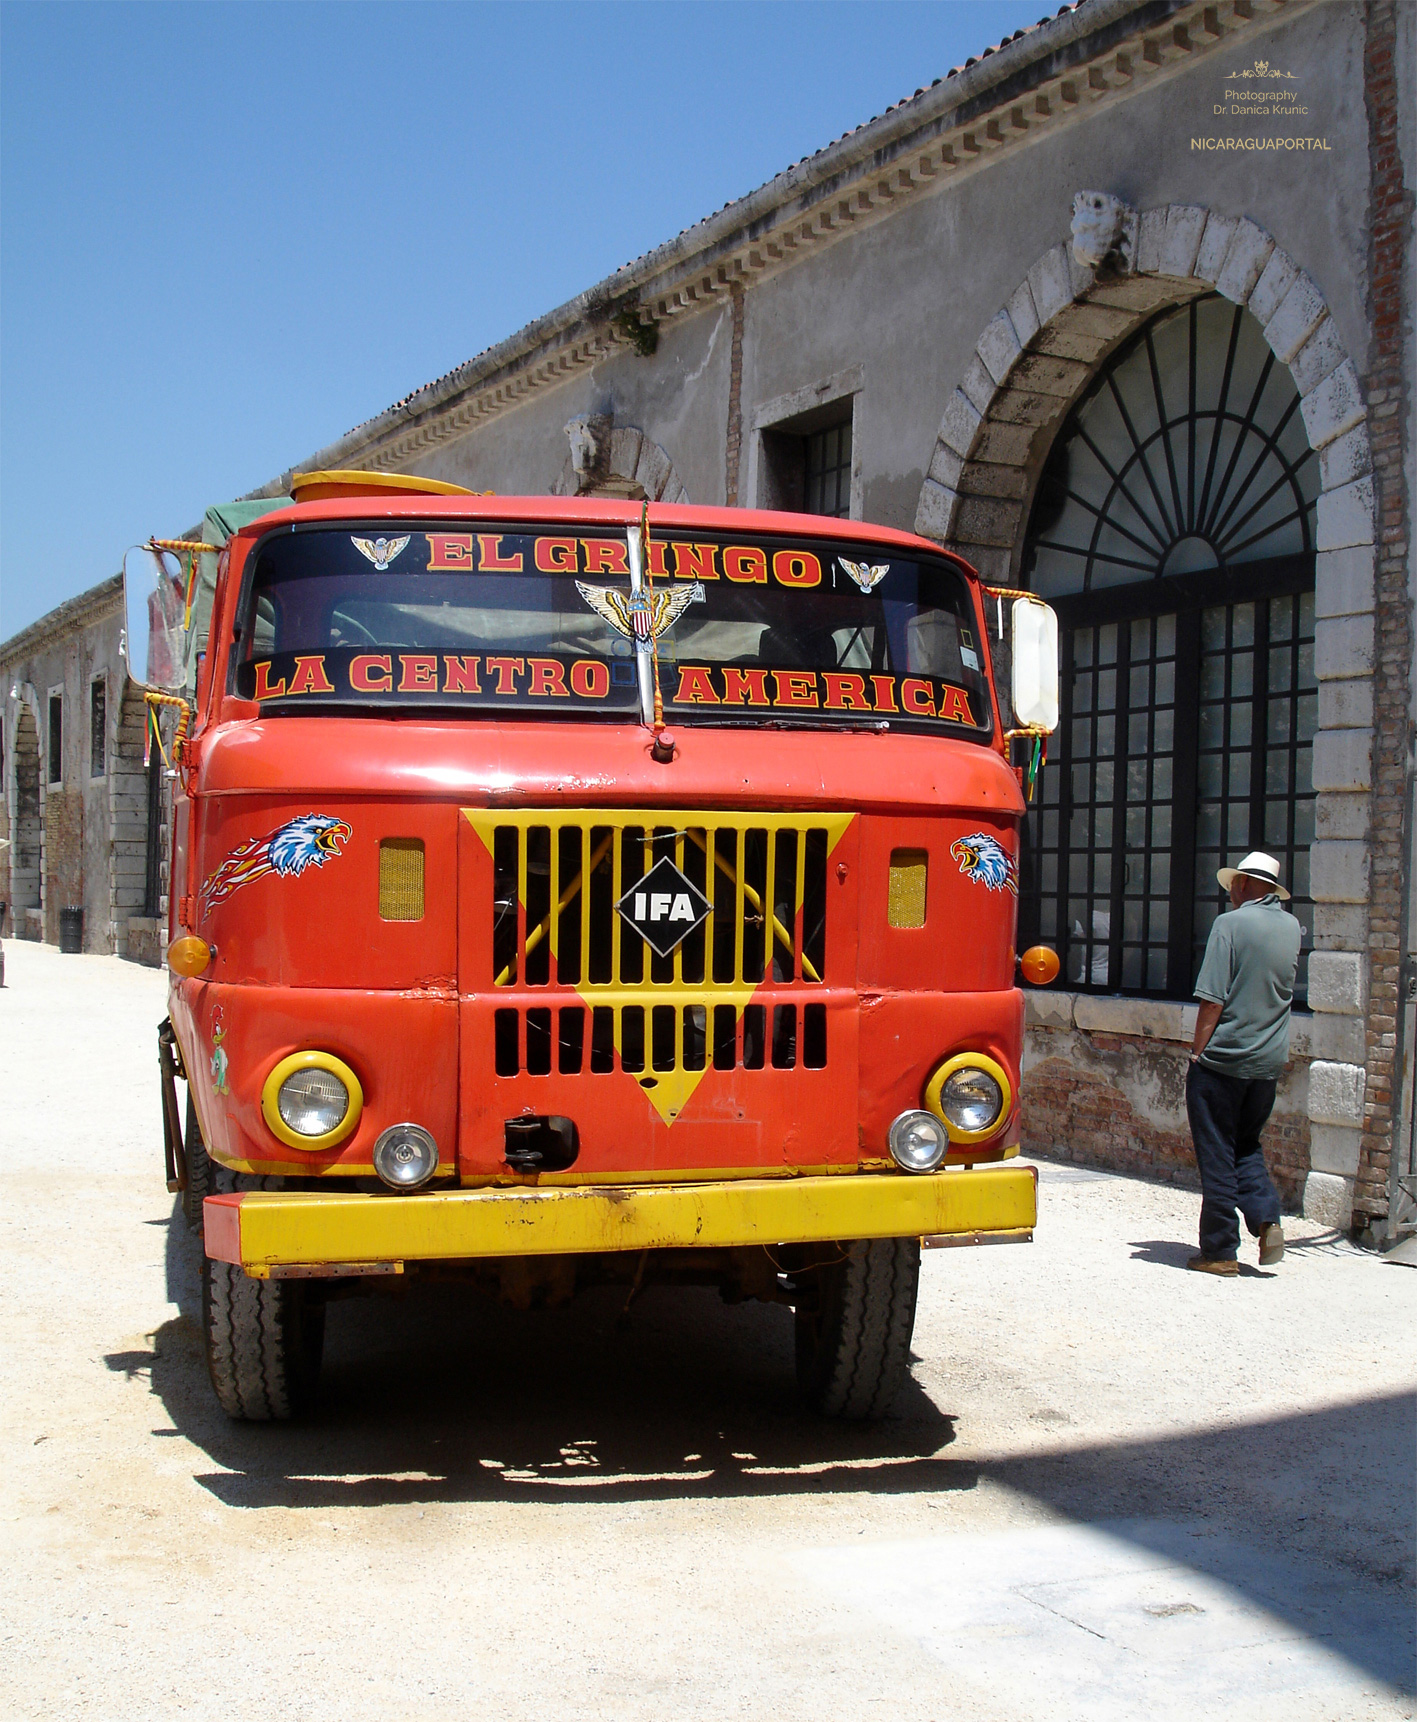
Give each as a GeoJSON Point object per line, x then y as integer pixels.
{"type": "Point", "coordinates": [1112, 1490]}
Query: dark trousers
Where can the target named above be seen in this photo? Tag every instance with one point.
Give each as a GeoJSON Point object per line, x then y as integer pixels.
{"type": "Point", "coordinates": [1227, 1114]}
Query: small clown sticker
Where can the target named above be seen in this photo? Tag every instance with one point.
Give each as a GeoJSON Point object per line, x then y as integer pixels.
{"type": "Point", "coordinates": [220, 1063]}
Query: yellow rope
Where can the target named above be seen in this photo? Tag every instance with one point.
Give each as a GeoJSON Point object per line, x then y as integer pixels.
{"type": "Point", "coordinates": [193, 547]}
{"type": "Point", "coordinates": [654, 632]}
{"type": "Point", "coordinates": [184, 718]}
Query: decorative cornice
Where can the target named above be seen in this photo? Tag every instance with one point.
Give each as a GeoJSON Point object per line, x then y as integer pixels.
{"type": "Point", "coordinates": [90, 606]}
{"type": "Point", "coordinates": [1096, 53]}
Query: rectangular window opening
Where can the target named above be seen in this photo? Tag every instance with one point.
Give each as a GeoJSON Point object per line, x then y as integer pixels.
{"type": "Point", "coordinates": [98, 728]}
{"type": "Point", "coordinates": [56, 740]}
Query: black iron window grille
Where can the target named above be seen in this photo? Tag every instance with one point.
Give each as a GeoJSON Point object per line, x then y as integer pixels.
{"type": "Point", "coordinates": [828, 455]}
{"type": "Point", "coordinates": [1173, 530]}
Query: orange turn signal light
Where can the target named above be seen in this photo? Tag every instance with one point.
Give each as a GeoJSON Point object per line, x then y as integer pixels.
{"type": "Point", "coordinates": [188, 956]}
{"type": "Point", "coordinates": [1040, 965]}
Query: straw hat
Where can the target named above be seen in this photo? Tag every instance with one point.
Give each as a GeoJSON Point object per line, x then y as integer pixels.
{"type": "Point", "coordinates": [1255, 866]}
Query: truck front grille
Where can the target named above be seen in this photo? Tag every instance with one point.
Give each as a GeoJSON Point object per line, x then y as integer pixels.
{"type": "Point", "coordinates": [557, 879]}
{"type": "Point", "coordinates": [659, 1037]}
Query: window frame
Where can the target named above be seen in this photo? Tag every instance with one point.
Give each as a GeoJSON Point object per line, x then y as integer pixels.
{"type": "Point", "coordinates": [778, 441]}
{"type": "Point", "coordinates": [98, 685]}
{"type": "Point", "coordinates": [1186, 596]}
{"type": "Point", "coordinates": [53, 696]}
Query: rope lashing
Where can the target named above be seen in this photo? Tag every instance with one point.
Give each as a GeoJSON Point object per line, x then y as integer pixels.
{"type": "Point", "coordinates": [658, 726]}
{"type": "Point", "coordinates": [193, 548]}
{"type": "Point", "coordinates": [153, 701]}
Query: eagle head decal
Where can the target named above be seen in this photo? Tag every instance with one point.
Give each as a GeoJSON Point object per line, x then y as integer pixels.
{"type": "Point", "coordinates": [309, 841]}
{"type": "Point", "coordinates": [985, 860]}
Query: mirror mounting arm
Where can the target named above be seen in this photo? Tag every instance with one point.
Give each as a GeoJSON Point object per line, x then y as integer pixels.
{"type": "Point", "coordinates": [193, 547]}
{"type": "Point", "coordinates": [184, 717]}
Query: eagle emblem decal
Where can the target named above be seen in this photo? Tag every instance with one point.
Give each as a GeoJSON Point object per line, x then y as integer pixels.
{"type": "Point", "coordinates": [381, 551]}
{"type": "Point", "coordinates": [985, 860]}
{"type": "Point", "coordinates": [641, 616]}
{"type": "Point", "coordinates": [866, 575]}
{"type": "Point", "coordinates": [308, 841]}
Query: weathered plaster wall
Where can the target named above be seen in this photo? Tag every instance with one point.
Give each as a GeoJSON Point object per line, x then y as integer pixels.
{"type": "Point", "coordinates": [72, 819]}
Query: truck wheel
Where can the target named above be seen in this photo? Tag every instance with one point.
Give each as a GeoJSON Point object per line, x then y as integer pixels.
{"type": "Point", "coordinates": [264, 1338]}
{"type": "Point", "coordinates": [853, 1342]}
{"type": "Point", "coordinates": [199, 1167]}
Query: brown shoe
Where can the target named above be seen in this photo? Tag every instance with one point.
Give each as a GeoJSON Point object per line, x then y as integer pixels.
{"type": "Point", "coordinates": [1271, 1245]}
{"type": "Point", "coordinates": [1206, 1265]}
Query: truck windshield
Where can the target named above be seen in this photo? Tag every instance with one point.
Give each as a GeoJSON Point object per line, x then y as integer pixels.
{"type": "Point", "coordinates": [531, 621]}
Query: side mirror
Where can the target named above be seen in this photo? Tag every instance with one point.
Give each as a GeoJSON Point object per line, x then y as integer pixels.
{"type": "Point", "coordinates": [1035, 664]}
{"type": "Point", "coordinates": [154, 601]}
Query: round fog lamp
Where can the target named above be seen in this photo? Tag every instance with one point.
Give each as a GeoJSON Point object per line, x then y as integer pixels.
{"type": "Point", "coordinates": [917, 1141]}
{"type": "Point", "coordinates": [405, 1156]}
{"type": "Point", "coordinates": [312, 1102]}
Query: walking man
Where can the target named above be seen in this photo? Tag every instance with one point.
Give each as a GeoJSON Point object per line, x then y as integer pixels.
{"type": "Point", "coordinates": [1241, 1043]}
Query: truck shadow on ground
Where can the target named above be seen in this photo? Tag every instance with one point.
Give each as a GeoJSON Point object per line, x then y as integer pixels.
{"type": "Point", "coordinates": [436, 1393]}
{"type": "Point", "coordinates": [442, 1396]}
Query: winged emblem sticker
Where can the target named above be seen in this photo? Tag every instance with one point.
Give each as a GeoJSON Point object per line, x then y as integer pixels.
{"type": "Point", "coordinates": [381, 551]}
{"type": "Point", "coordinates": [640, 615]}
{"type": "Point", "coordinates": [866, 576]}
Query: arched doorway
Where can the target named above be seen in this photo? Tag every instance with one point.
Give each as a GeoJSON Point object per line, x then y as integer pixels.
{"type": "Point", "coordinates": [1173, 529]}
{"type": "Point", "coordinates": [25, 852]}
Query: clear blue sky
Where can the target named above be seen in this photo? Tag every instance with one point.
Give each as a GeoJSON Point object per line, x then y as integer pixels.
{"type": "Point", "coordinates": [231, 232]}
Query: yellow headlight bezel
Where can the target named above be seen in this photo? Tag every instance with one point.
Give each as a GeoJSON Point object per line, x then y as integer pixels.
{"type": "Point", "coordinates": [969, 1061]}
{"type": "Point", "coordinates": [270, 1101]}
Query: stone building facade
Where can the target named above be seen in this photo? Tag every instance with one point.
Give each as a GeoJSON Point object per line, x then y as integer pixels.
{"type": "Point", "coordinates": [76, 793]}
{"type": "Point", "coordinates": [1123, 311]}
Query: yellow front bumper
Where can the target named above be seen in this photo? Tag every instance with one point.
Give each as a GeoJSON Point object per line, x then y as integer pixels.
{"type": "Point", "coordinates": [263, 1231]}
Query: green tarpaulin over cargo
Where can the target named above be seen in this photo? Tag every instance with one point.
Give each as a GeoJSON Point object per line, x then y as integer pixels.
{"type": "Point", "coordinates": [218, 524]}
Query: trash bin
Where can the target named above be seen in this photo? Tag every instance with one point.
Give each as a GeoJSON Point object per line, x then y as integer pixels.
{"type": "Point", "coordinates": [71, 931]}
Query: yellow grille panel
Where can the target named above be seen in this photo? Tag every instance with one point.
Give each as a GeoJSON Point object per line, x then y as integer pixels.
{"type": "Point", "coordinates": [401, 879]}
{"type": "Point", "coordinates": [905, 904]}
{"type": "Point", "coordinates": [611, 1002]}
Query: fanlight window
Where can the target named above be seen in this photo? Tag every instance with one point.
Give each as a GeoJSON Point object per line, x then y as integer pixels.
{"type": "Point", "coordinates": [1187, 455]}
{"type": "Point", "coordinates": [1173, 531]}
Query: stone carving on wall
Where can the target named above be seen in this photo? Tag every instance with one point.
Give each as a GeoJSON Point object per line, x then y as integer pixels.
{"type": "Point", "coordinates": [618, 461]}
{"type": "Point", "coordinates": [589, 436]}
{"type": "Point", "coordinates": [1104, 229]}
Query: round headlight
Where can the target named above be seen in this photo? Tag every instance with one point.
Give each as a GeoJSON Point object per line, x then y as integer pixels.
{"type": "Point", "coordinates": [971, 1100]}
{"type": "Point", "coordinates": [312, 1102]}
{"type": "Point", "coordinates": [917, 1141]}
{"type": "Point", "coordinates": [405, 1156]}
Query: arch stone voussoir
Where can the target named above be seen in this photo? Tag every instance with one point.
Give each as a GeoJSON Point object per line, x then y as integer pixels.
{"type": "Point", "coordinates": [1032, 361]}
{"type": "Point", "coordinates": [1038, 352]}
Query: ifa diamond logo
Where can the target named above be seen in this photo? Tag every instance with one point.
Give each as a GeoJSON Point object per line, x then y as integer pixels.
{"type": "Point", "coordinates": [664, 907]}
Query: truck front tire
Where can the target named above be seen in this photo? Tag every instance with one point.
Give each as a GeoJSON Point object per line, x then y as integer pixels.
{"type": "Point", "coordinates": [199, 1168]}
{"type": "Point", "coordinates": [854, 1327]}
{"type": "Point", "coordinates": [264, 1338]}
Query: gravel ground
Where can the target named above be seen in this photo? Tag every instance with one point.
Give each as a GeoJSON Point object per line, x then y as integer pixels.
{"type": "Point", "coordinates": [1111, 1488]}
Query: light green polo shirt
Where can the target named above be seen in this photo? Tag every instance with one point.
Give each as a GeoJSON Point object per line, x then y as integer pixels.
{"type": "Point", "coordinates": [1251, 959]}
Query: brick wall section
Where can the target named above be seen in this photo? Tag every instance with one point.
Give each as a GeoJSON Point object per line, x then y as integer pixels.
{"type": "Point", "coordinates": [1386, 388]}
{"type": "Point", "coordinates": [734, 450]}
{"type": "Point", "coordinates": [1072, 1115]}
{"type": "Point", "coordinates": [63, 856]}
